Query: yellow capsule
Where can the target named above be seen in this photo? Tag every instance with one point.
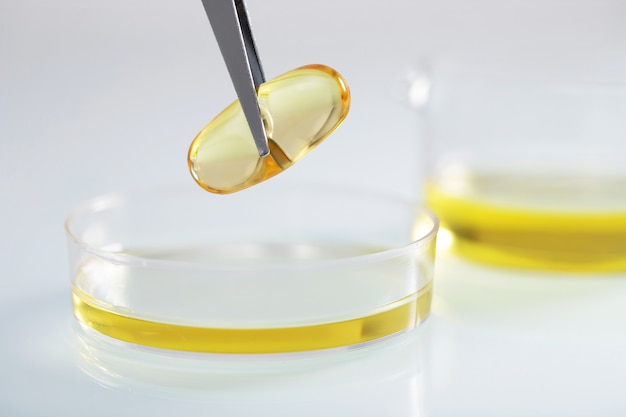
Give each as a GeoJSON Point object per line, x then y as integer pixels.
{"type": "Point", "coordinates": [299, 109]}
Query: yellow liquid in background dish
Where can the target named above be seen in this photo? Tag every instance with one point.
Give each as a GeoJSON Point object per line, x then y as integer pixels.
{"type": "Point", "coordinates": [402, 315]}
{"type": "Point", "coordinates": [574, 225]}
{"type": "Point", "coordinates": [299, 109]}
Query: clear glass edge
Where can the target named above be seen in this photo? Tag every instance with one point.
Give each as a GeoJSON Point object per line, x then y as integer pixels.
{"type": "Point", "coordinates": [116, 199]}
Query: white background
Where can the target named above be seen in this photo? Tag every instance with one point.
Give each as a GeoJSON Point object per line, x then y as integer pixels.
{"type": "Point", "coordinates": [99, 96]}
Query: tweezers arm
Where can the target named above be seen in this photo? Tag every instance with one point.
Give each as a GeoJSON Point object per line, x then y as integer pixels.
{"type": "Point", "coordinates": [230, 24]}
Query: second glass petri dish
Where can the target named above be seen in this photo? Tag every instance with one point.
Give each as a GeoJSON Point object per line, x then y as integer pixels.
{"type": "Point", "coordinates": [273, 269]}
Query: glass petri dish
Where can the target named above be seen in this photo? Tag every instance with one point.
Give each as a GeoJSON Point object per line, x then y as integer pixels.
{"type": "Point", "coordinates": [273, 269]}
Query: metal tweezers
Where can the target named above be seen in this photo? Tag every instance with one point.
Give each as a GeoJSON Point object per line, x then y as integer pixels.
{"type": "Point", "coordinates": [231, 27]}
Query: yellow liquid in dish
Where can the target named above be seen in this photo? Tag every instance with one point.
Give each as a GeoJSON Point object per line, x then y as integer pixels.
{"type": "Point", "coordinates": [577, 226]}
{"type": "Point", "coordinates": [299, 109]}
{"type": "Point", "coordinates": [402, 315]}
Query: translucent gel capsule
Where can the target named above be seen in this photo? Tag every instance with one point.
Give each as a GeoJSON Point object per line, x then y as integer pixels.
{"type": "Point", "coordinates": [299, 108]}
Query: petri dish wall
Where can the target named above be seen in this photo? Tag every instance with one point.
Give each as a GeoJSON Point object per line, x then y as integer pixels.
{"type": "Point", "coordinates": [267, 270]}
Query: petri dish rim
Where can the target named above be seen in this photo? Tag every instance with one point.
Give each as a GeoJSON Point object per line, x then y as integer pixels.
{"type": "Point", "coordinates": [119, 199]}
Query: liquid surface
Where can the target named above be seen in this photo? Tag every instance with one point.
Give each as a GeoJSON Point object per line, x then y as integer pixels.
{"type": "Point", "coordinates": [543, 223]}
{"type": "Point", "coordinates": [254, 298]}
{"type": "Point", "coordinates": [403, 315]}
{"type": "Point", "coordinates": [299, 108]}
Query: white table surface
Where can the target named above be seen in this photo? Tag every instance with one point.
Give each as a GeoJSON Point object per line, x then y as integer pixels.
{"type": "Point", "coordinates": [106, 96]}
